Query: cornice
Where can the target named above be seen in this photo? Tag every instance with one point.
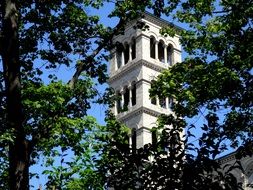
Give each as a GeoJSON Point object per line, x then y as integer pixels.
{"type": "Point", "coordinates": [133, 113]}
{"type": "Point", "coordinates": [227, 158]}
{"type": "Point", "coordinates": [132, 66]}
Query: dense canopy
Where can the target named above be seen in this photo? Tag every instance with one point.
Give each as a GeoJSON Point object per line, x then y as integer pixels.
{"type": "Point", "coordinates": [44, 115]}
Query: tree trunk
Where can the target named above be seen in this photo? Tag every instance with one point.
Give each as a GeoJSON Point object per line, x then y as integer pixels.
{"type": "Point", "coordinates": [18, 149]}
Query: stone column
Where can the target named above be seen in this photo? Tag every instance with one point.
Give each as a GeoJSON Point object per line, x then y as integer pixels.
{"type": "Point", "coordinates": [115, 109]}
{"type": "Point", "coordinates": [122, 98]}
{"type": "Point", "coordinates": [167, 103]}
{"type": "Point", "coordinates": [130, 96]}
{"type": "Point", "coordinates": [130, 140]}
{"type": "Point", "coordinates": [165, 54]}
{"type": "Point", "coordinates": [122, 58]}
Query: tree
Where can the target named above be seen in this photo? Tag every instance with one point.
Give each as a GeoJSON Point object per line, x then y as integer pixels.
{"type": "Point", "coordinates": [216, 75]}
{"type": "Point", "coordinates": [41, 113]}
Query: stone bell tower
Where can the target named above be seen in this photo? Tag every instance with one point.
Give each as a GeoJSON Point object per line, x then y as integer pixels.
{"type": "Point", "coordinates": [139, 57]}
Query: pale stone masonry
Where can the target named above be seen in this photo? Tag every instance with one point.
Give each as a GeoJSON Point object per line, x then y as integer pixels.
{"type": "Point", "coordinates": [138, 59]}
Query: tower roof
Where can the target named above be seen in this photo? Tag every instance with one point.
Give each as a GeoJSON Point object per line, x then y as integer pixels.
{"type": "Point", "coordinates": [159, 21]}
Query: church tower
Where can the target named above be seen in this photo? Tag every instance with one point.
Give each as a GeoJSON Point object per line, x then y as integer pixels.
{"type": "Point", "coordinates": [138, 58]}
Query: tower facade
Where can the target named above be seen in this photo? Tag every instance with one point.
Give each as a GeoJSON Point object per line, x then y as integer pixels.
{"type": "Point", "coordinates": [138, 58]}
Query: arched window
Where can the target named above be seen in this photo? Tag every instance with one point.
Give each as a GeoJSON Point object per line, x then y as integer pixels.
{"type": "Point", "coordinates": [133, 49]}
{"type": "Point", "coordinates": [153, 99]}
{"type": "Point", "coordinates": [119, 50]}
{"type": "Point", "coordinates": [170, 55]}
{"type": "Point", "coordinates": [125, 144]}
{"type": "Point", "coordinates": [162, 102]}
{"type": "Point", "coordinates": [171, 102]}
{"type": "Point", "coordinates": [134, 139]}
{"type": "Point", "coordinates": [154, 137]}
{"type": "Point", "coordinates": [126, 53]}
{"type": "Point", "coordinates": [118, 102]}
{"type": "Point", "coordinates": [119, 59]}
{"type": "Point", "coordinates": [126, 98]}
{"type": "Point", "coordinates": [152, 47]}
{"type": "Point", "coordinates": [161, 51]}
{"type": "Point", "coordinates": [133, 94]}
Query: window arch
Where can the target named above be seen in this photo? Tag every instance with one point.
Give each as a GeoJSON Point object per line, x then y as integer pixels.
{"type": "Point", "coordinates": [119, 51]}
{"type": "Point", "coordinates": [153, 99]}
{"type": "Point", "coordinates": [154, 137]}
{"type": "Point", "coordinates": [118, 102]}
{"type": "Point", "coordinates": [162, 102]}
{"type": "Point", "coordinates": [170, 54]}
{"type": "Point", "coordinates": [126, 98]}
{"type": "Point", "coordinates": [170, 102]}
{"type": "Point", "coordinates": [133, 47]}
{"type": "Point", "coordinates": [134, 140]}
{"type": "Point", "coordinates": [152, 47]}
{"type": "Point", "coordinates": [126, 53]}
{"type": "Point", "coordinates": [161, 56]}
{"type": "Point", "coordinates": [133, 93]}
